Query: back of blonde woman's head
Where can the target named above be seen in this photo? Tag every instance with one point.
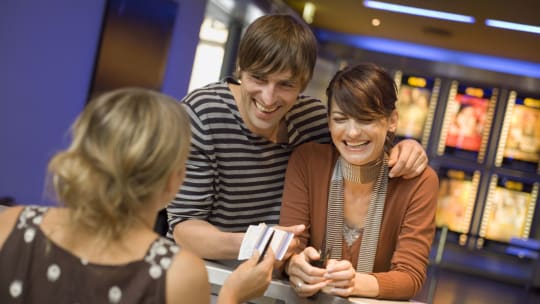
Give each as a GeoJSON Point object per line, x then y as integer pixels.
{"type": "Point", "coordinates": [126, 144]}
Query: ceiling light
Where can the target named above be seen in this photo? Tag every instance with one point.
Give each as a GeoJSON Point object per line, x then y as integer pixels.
{"type": "Point", "coordinates": [513, 26]}
{"type": "Point", "coordinates": [418, 11]}
{"type": "Point", "coordinates": [309, 12]}
{"type": "Point", "coordinates": [375, 22]}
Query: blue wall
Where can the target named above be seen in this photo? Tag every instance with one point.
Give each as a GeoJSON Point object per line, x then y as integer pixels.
{"type": "Point", "coordinates": [47, 54]}
{"type": "Point", "coordinates": [47, 51]}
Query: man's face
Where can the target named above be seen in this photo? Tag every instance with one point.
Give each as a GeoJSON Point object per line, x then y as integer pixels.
{"type": "Point", "coordinates": [265, 99]}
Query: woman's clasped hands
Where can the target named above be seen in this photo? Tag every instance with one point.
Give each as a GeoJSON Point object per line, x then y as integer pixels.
{"type": "Point", "coordinates": [335, 278]}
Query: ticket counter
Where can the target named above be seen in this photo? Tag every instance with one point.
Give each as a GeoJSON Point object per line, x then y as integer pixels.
{"type": "Point", "coordinates": [279, 291]}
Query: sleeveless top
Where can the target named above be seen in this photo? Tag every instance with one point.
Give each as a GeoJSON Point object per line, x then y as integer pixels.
{"type": "Point", "coordinates": [33, 269]}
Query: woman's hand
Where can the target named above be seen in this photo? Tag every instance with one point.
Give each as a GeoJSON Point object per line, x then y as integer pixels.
{"type": "Point", "coordinates": [249, 280]}
{"type": "Point", "coordinates": [340, 275]}
{"type": "Point", "coordinates": [304, 278]}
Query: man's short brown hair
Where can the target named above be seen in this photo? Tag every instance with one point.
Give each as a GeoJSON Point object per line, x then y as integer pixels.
{"type": "Point", "coordinates": [278, 43]}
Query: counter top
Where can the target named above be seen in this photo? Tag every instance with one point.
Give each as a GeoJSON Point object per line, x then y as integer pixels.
{"type": "Point", "coordinates": [279, 291]}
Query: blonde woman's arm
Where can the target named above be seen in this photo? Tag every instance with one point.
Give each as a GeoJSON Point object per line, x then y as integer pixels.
{"type": "Point", "coordinates": [8, 217]}
{"type": "Point", "coordinates": [187, 280]}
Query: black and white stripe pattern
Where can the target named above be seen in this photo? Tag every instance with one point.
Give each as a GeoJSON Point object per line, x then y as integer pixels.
{"type": "Point", "coordinates": [235, 178]}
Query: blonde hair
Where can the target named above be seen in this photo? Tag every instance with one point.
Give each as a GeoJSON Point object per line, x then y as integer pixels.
{"type": "Point", "coordinates": [125, 145]}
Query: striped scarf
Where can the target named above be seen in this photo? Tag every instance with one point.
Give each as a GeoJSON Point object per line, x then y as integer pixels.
{"type": "Point", "coordinates": [335, 220]}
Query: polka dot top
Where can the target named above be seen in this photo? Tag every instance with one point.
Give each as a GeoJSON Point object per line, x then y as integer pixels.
{"type": "Point", "coordinates": [33, 269]}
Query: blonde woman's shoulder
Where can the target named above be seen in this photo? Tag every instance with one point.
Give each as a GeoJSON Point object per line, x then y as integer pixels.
{"type": "Point", "coordinates": [187, 280]}
{"type": "Point", "coordinates": [8, 218]}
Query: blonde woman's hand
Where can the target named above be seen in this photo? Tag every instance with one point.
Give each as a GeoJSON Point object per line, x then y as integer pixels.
{"type": "Point", "coordinates": [249, 280]}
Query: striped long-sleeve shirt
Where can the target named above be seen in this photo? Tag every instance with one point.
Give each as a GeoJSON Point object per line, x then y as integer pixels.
{"type": "Point", "coordinates": [234, 178]}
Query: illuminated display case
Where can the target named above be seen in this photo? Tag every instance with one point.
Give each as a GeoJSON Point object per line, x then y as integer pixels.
{"type": "Point", "coordinates": [519, 144]}
{"type": "Point", "coordinates": [479, 139]}
{"type": "Point", "coordinates": [417, 100]}
{"type": "Point", "coordinates": [480, 131]}
{"type": "Point", "coordinates": [457, 196]}
{"type": "Point", "coordinates": [509, 208]}
{"type": "Point", "coordinates": [467, 121]}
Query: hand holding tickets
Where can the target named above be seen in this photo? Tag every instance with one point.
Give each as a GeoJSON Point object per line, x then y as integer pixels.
{"type": "Point", "coordinates": [258, 237]}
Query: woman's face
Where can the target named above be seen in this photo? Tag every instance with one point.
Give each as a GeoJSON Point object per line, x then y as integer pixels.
{"type": "Point", "coordinates": [359, 142]}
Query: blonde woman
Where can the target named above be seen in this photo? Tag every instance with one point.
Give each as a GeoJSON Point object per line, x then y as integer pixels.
{"type": "Point", "coordinates": [125, 163]}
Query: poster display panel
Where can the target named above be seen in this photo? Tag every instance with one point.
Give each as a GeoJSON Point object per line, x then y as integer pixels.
{"type": "Point", "coordinates": [509, 209]}
{"type": "Point", "coordinates": [519, 144]}
{"type": "Point", "coordinates": [467, 121]}
{"type": "Point", "coordinates": [457, 196]}
{"type": "Point", "coordinates": [417, 100]}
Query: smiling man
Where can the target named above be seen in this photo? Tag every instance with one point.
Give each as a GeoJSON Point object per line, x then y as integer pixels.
{"type": "Point", "coordinates": [244, 130]}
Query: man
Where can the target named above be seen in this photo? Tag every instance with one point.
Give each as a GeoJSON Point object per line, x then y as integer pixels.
{"type": "Point", "coordinates": [243, 133]}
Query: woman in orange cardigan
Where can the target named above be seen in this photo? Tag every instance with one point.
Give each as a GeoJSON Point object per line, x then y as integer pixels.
{"type": "Point", "coordinates": [377, 231]}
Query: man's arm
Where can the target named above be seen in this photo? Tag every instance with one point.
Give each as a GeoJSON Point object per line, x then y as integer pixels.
{"type": "Point", "coordinates": [207, 241]}
{"type": "Point", "coordinates": [190, 209]}
{"type": "Point", "coordinates": [408, 159]}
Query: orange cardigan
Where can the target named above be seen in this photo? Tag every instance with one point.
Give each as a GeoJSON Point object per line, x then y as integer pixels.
{"type": "Point", "coordinates": [407, 227]}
